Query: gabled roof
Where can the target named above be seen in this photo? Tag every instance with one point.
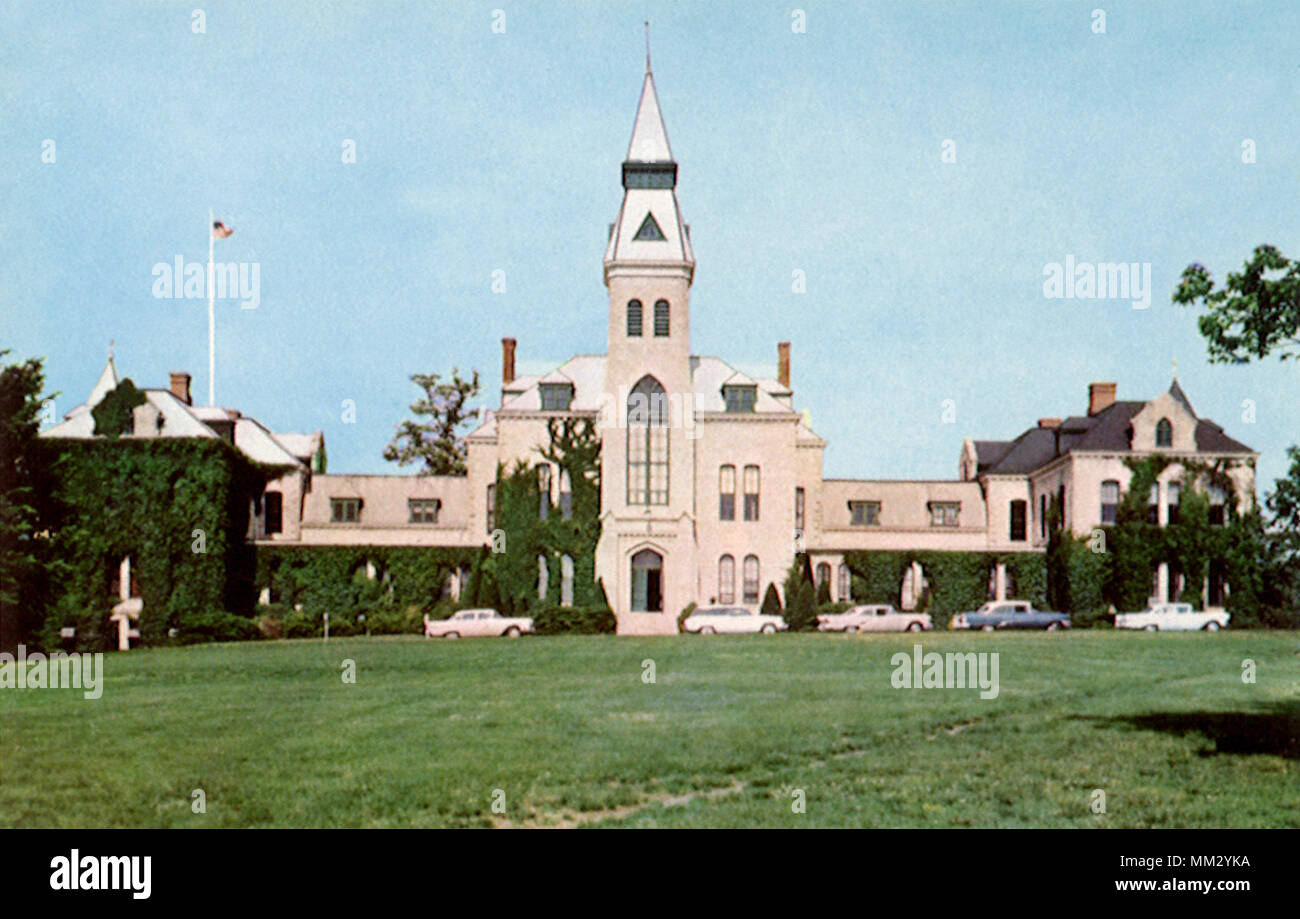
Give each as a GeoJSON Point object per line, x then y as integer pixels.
{"type": "Point", "coordinates": [1110, 430]}
{"type": "Point", "coordinates": [177, 419]}
{"type": "Point", "coordinates": [1179, 396]}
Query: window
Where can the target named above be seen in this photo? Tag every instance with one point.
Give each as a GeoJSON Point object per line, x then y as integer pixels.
{"type": "Point", "coordinates": [566, 495]}
{"type": "Point", "coordinates": [1218, 505]}
{"type": "Point", "coordinates": [1164, 433]}
{"type": "Point", "coordinates": [1173, 492]}
{"type": "Point", "coordinates": [424, 510]}
{"type": "Point", "coordinates": [490, 513]}
{"type": "Point", "coordinates": [1109, 500]}
{"type": "Point", "coordinates": [273, 505]}
{"type": "Point", "coordinates": [1153, 504]}
{"type": "Point", "coordinates": [345, 510]}
{"type": "Point", "coordinates": [751, 579]}
{"type": "Point", "coordinates": [543, 577]}
{"type": "Point", "coordinates": [751, 492]}
{"type": "Point", "coordinates": [650, 231]}
{"type": "Point", "coordinates": [726, 579]}
{"type": "Point", "coordinates": [844, 585]}
{"type": "Point", "coordinates": [823, 574]}
{"type": "Point", "coordinates": [1042, 516]}
{"type": "Point", "coordinates": [864, 513]}
{"type": "Point", "coordinates": [944, 513]}
{"type": "Point", "coordinates": [727, 493]}
{"type": "Point", "coordinates": [634, 319]}
{"type": "Point", "coordinates": [1019, 523]}
{"type": "Point", "coordinates": [543, 491]}
{"type": "Point", "coordinates": [556, 397]}
{"type": "Point", "coordinates": [661, 319]}
{"type": "Point", "coordinates": [647, 443]}
{"type": "Point", "coordinates": [740, 399]}
{"type": "Point", "coordinates": [798, 510]}
{"type": "Point", "coordinates": [566, 581]}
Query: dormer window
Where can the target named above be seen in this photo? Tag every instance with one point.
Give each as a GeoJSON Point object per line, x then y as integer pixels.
{"type": "Point", "coordinates": [740, 399]}
{"type": "Point", "coordinates": [944, 513]}
{"type": "Point", "coordinates": [556, 397]}
{"type": "Point", "coordinates": [1164, 433]}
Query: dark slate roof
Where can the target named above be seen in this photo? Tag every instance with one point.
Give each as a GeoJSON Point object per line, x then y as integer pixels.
{"type": "Point", "coordinates": [1108, 430]}
{"type": "Point", "coordinates": [1211, 439]}
{"type": "Point", "coordinates": [1177, 392]}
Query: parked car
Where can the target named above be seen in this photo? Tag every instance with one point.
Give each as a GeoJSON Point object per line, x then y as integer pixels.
{"type": "Point", "coordinates": [474, 623]}
{"type": "Point", "coordinates": [1173, 617]}
{"type": "Point", "coordinates": [873, 617]}
{"type": "Point", "coordinates": [731, 620]}
{"type": "Point", "coordinates": [1010, 614]}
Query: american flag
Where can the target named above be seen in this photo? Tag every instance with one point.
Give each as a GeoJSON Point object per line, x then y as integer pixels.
{"type": "Point", "coordinates": [220, 230]}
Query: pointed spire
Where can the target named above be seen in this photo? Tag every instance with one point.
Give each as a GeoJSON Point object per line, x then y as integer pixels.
{"type": "Point", "coordinates": [647, 46]}
{"type": "Point", "coordinates": [649, 136]}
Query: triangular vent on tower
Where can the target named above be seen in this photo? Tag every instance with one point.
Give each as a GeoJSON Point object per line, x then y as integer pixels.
{"type": "Point", "coordinates": [650, 230]}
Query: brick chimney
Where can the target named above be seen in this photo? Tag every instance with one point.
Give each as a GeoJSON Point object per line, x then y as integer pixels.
{"type": "Point", "coordinates": [180, 386]}
{"type": "Point", "coordinates": [507, 361]}
{"type": "Point", "coordinates": [1052, 423]}
{"type": "Point", "coordinates": [783, 363]}
{"type": "Point", "coordinates": [1101, 396]}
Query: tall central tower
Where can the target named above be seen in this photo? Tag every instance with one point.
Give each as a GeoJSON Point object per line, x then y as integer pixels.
{"type": "Point", "coordinates": [649, 264]}
{"type": "Point", "coordinates": [646, 553]}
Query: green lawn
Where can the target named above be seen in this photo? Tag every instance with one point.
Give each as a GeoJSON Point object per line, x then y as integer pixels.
{"type": "Point", "coordinates": [567, 729]}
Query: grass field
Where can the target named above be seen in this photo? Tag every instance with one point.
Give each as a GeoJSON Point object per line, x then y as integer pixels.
{"type": "Point", "coordinates": [730, 730]}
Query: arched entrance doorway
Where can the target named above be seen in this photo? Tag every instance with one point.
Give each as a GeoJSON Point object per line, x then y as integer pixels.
{"type": "Point", "coordinates": [647, 582]}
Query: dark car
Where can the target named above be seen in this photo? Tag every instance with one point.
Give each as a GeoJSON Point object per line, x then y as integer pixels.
{"type": "Point", "coordinates": [1010, 614]}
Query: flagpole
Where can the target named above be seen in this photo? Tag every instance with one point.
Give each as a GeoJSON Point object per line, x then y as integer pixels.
{"type": "Point", "coordinates": [212, 322]}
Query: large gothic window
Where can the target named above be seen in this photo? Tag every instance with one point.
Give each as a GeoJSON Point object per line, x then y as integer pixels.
{"type": "Point", "coordinates": [647, 443]}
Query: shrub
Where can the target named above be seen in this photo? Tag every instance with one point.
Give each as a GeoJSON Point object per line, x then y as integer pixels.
{"type": "Point", "coordinates": [801, 613]}
{"type": "Point", "coordinates": [215, 625]}
{"type": "Point", "coordinates": [771, 602]}
{"type": "Point", "coordinates": [683, 616]}
{"type": "Point", "coordinates": [580, 620]}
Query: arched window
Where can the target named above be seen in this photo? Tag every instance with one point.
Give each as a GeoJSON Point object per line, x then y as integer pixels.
{"type": "Point", "coordinates": [1109, 500]}
{"type": "Point", "coordinates": [751, 579]}
{"type": "Point", "coordinates": [1164, 433]}
{"type": "Point", "coordinates": [1173, 494]}
{"type": "Point", "coordinates": [543, 491]}
{"type": "Point", "coordinates": [647, 443]}
{"type": "Point", "coordinates": [844, 589]}
{"type": "Point", "coordinates": [727, 492]}
{"type": "Point", "coordinates": [726, 579]}
{"type": "Point", "coordinates": [823, 574]}
{"type": "Point", "coordinates": [634, 319]}
{"type": "Point", "coordinates": [566, 495]}
{"type": "Point", "coordinates": [566, 581]}
{"type": "Point", "coordinates": [543, 577]}
{"type": "Point", "coordinates": [661, 319]}
{"type": "Point", "coordinates": [751, 492]}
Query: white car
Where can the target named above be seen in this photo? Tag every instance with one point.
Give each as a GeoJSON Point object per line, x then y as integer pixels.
{"type": "Point", "coordinates": [473, 623]}
{"type": "Point", "coordinates": [1173, 617]}
{"type": "Point", "coordinates": [874, 617]}
{"type": "Point", "coordinates": [731, 620]}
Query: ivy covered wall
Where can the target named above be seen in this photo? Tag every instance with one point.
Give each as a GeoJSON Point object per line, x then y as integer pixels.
{"type": "Point", "coordinates": [178, 507]}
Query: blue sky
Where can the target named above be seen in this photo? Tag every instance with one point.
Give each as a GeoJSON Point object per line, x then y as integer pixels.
{"type": "Point", "coordinates": [821, 152]}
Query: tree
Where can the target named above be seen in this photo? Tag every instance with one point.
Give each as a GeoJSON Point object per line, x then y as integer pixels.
{"type": "Point", "coordinates": [802, 610]}
{"type": "Point", "coordinates": [1255, 313]}
{"type": "Point", "coordinates": [22, 472]}
{"type": "Point", "coordinates": [114, 415]}
{"type": "Point", "coordinates": [771, 602]}
{"type": "Point", "coordinates": [438, 442]}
